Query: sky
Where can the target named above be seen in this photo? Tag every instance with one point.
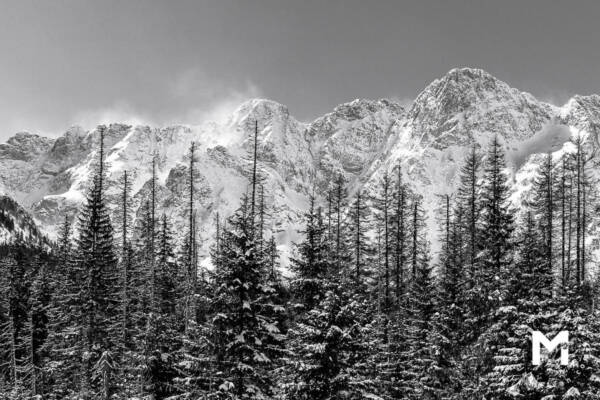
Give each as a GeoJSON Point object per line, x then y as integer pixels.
{"type": "Point", "coordinates": [66, 62]}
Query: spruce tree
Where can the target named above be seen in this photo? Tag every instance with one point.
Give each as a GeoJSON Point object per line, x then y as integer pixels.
{"type": "Point", "coordinates": [39, 305]}
{"type": "Point", "coordinates": [96, 264]}
{"type": "Point", "coordinates": [358, 240]}
{"type": "Point", "coordinates": [468, 197]}
{"type": "Point", "coordinates": [416, 380]}
{"type": "Point", "coordinates": [129, 284]}
{"type": "Point", "coordinates": [311, 267]}
{"type": "Point", "coordinates": [64, 338]}
{"type": "Point", "coordinates": [383, 208]}
{"type": "Point", "coordinates": [328, 346]}
{"type": "Point", "coordinates": [400, 229]}
{"type": "Point", "coordinates": [13, 353]}
{"type": "Point", "coordinates": [339, 204]}
{"type": "Point", "coordinates": [189, 251]}
{"type": "Point", "coordinates": [244, 316]}
{"type": "Point", "coordinates": [447, 330]}
{"type": "Point", "coordinates": [162, 331]}
{"type": "Point", "coordinates": [526, 308]}
{"type": "Point", "coordinates": [544, 207]}
{"type": "Point", "coordinates": [495, 233]}
{"type": "Point", "coordinates": [328, 349]}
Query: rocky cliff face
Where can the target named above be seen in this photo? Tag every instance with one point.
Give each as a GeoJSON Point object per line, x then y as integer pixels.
{"type": "Point", "coordinates": [17, 224]}
{"type": "Point", "coordinates": [467, 103]}
{"type": "Point", "coordinates": [359, 140]}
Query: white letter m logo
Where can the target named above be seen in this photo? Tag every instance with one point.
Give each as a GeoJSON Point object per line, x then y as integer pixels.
{"type": "Point", "coordinates": [550, 345]}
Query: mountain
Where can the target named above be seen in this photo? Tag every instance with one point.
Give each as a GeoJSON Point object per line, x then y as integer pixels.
{"type": "Point", "coordinates": [17, 225]}
{"type": "Point", "coordinates": [360, 140]}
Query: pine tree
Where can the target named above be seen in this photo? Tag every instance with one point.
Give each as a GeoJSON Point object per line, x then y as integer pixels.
{"type": "Point", "coordinates": [544, 207]}
{"type": "Point", "coordinates": [339, 204]}
{"type": "Point", "coordinates": [452, 274]}
{"type": "Point", "coordinates": [64, 336]}
{"type": "Point", "coordinates": [358, 241]}
{"type": "Point", "coordinates": [383, 204]}
{"type": "Point", "coordinates": [328, 349]}
{"type": "Point", "coordinates": [242, 299]}
{"type": "Point", "coordinates": [142, 305]}
{"type": "Point", "coordinates": [416, 378]}
{"type": "Point", "coordinates": [447, 330]}
{"type": "Point", "coordinates": [469, 200]}
{"type": "Point", "coordinates": [582, 189]}
{"type": "Point", "coordinates": [96, 264]}
{"type": "Point", "coordinates": [400, 229]}
{"type": "Point", "coordinates": [495, 233]}
{"type": "Point", "coordinates": [130, 278]}
{"type": "Point", "coordinates": [246, 317]}
{"type": "Point", "coordinates": [12, 350]}
{"type": "Point", "coordinates": [564, 200]}
{"type": "Point", "coordinates": [328, 346]}
{"type": "Point", "coordinates": [162, 333]}
{"type": "Point", "coordinates": [39, 304]}
{"type": "Point", "coordinates": [525, 309]}
{"type": "Point", "coordinates": [189, 261]}
{"type": "Point", "coordinates": [311, 267]}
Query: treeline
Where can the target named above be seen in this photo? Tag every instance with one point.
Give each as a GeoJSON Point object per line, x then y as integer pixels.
{"type": "Point", "coordinates": [120, 310]}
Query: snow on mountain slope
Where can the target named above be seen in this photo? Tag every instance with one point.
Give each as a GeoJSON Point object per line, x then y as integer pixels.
{"type": "Point", "coordinates": [17, 225]}
{"type": "Point", "coordinates": [469, 103]}
{"type": "Point", "coordinates": [352, 137]}
{"type": "Point", "coordinates": [285, 164]}
{"type": "Point", "coordinates": [359, 140]}
{"type": "Point", "coordinates": [464, 108]}
{"type": "Point", "coordinates": [21, 158]}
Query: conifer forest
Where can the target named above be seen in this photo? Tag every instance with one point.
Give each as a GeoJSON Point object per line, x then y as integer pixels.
{"type": "Point", "coordinates": [120, 307]}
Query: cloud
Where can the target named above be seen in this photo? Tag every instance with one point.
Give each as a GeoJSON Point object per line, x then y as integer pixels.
{"type": "Point", "coordinates": [207, 97]}
{"type": "Point", "coordinates": [221, 108]}
{"type": "Point", "coordinates": [190, 98]}
{"type": "Point", "coordinates": [120, 112]}
{"type": "Point", "coordinates": [405, 102]}
{"type": "Point", "coordinates": [194, 83]}
{"type": "Point", "coordinates": [549, 139]}
{"type": "Point", "coordinates": [12, 125]}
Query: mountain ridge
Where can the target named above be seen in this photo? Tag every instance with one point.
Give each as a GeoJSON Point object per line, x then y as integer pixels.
{"type": "Point", "coordinates": [359, 140]}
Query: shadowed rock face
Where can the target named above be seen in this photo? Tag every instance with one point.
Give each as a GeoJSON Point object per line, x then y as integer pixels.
{"type": "Point", "coordinates": [25, 146]}
{"type": "Point", "coordinates": [17, 223]}
{"type": "Point", "coordinates": [359, 141]}
{"type": "Point", "coordinates": [350, 138]}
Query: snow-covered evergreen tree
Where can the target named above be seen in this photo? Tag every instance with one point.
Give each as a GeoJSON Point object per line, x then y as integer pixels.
{"type": "Point", "coordinates": [416, 378]}
{"type": "Point", "coordinates": [243, 314]}
{"type": "Point", "coordinates": [96, 264]}
{"type": "Point", "coordinates": [311, 267]}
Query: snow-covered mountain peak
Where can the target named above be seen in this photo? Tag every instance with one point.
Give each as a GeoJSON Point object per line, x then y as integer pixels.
{"type": "Point", "coordinates": [362, 108]}
{"type": "Point", "coordinates": [466, 83]}
{"type": "Point", "coordinates": [469, 105]}
{"type": "Point", "coordinates": [25, 146]}
{"type": "Point", "coordinates": [261, 110]}
{"type": "Point", "coordinates": [583, 112]}
{"type": "Point", "coordinates": [276, 127]}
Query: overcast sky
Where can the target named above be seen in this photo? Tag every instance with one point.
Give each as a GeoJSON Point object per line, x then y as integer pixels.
{"type": "Point", "coordinates": [65, 62]}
